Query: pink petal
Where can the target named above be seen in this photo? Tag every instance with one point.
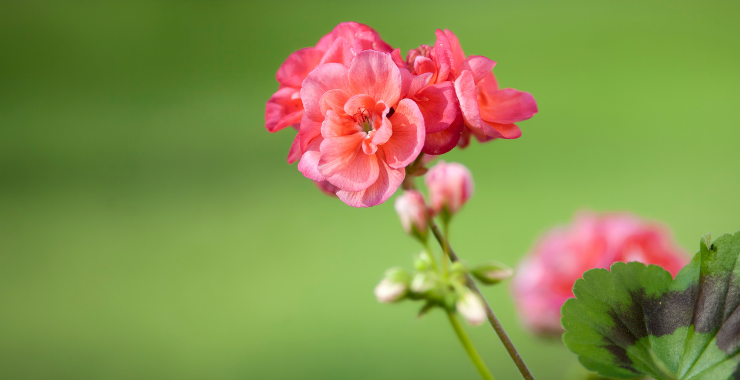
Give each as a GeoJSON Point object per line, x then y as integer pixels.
{"type": "Point", "coordinates": [382, 125]}
{"type": "Point", "coordinates": [424, 65]}
{"type": "Point", "coordinates": [374, 73]}
{"type": "Point", "coordinates": [439, 106]}
{"type": "Point", "coordinates": [444, 56]}
{"type": "Point", "coordinates": [327, 188]}
{"type": "Point", "coordinates": [479, 66]}
{"type": "Point", "coordinates": [358, 103]}
{"type": "Point", "coordinates": [309, 164]}
{"type": "Point", "coordinates": [406, 79]}
{"type": "Point", "coordinates": [419, 82]}
{"type": "Point", "coordinates": [388, 181]}
{"type": "Point", "coordinates": [398, 59]}
{"type": "Point", "coordinates": [310, 129]}
{"type": "Point", "coordinates": [464, 138]}
{"type": "Point", "coordinates": [506, 106]}
{"type": "Point", "coordinates": [281, 109]}
{"type": "Point", "coordinates": [333, 100]}
{"type": "Point", "coordinates": [504, 131]}
{"type": "Point", "coordinates": [408, 135]}
{"type": "Point", "coordinates": [336, 125]}
{"type": "Point", "coordinates": [295, 153]}
{"type": "Point", "coordinates": [445, 140]}
{"type": "Point", "coordinates": [458, 56]}
{"type": "Point", "coordinates": [467, 96]}
{"type": "Point", "coordinates": [297, 66]}
{"type": "Point", "coordinates": [345, 165]}
{"type": "Point", "coordinates": [339, 51]}
{"type": "Point", "coordinates": [326, 77]}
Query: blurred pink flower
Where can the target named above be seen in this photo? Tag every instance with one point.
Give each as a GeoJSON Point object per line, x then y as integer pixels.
{"type": "Point", "coordinates": [544, 279]}
{"type": "Point", "coordinates": [450, 186]}
{"type": "Point", "coordinates": [357, 132]}
{"type": "Point", "coordinates": [412, 210]}
{"type": "Point", "coordinates": [285, 107]}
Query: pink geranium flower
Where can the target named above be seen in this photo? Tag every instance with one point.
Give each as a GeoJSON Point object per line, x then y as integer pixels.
{"type": "Point", "coordinates": [357, 132]}
{"type": "Point", "coordinates": [285, 107]}
{"type": "Point", "coordinates": [544, 279]}
{"type": "Point", "coordinates": [489, 112]}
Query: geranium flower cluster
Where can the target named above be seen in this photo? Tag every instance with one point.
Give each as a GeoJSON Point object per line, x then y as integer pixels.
{"type": "Point", "coordinates": [363, 113]}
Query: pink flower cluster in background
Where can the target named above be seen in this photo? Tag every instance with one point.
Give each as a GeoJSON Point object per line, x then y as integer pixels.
{"type": "Point", "coordinates": [363, 113]}
{"type": "Point", "coordinates": [544, 279]}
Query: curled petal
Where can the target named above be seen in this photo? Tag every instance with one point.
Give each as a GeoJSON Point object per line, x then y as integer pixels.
{"type": "Point", "coordinates": [310, 129]}
{"type": "Point", "coordinates": [467, 96]}
{"type": "Point", "coordinates": [297, 66]}
{"type": "Point", "coordinates": [339, 125]}
{"type": "Point", "coordinates": [309, 163]}
{"type": "Point", "coordinates": [445, 140]}
{"type": "Point", "coordinates": [503, 131]}
{"type": "Point", "coordinates": [443, 55]}
{"type": "Point", "coordinates": [345, 165]}
{"type": "Point", "coordinates": [333, 100]}
{"type": "Point", "coordinates": [358, 103]}
{"type": "Point", "coordinates": [327, 188]}
{"type": "Point", "coordinates": [295, 153]}
{"type": "Point", "coordinates": [382, 125]}
{"type": "Point", "coordinates": [423, 65]}
{"type": "Point", "coordinates": [506, 106]}
{"type": "Point", "coordinates": [479, 66]}
{"type": "Point", "coordinates": [419, 82]}
{"type": "Point", "coordinates": [458, 56]}
{"type": "Point", "coordinates": [388, 181]}
{"type": "Point", "coordinates": [408, 135]}
{"type": "Point", "coordinates": [283, 109]}
{"type": "Point", "coordinates": [374, 73]}
{"type": "Point", "coordinates": [326, 77]}
{"type": "Point", "coordinates": [439, 105]}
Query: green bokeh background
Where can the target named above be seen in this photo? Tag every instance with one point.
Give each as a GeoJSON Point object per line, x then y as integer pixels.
{"type": "Point", "coordinates": [151, 229]}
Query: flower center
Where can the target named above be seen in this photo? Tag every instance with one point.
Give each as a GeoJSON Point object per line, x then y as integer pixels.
{"type": "Point", "coordinates": [363, 119]}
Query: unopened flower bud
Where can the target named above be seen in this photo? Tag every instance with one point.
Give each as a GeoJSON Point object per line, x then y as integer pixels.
{"type": "Point", "coordinates": [421, 283]}
{"type": "Point", "coordinates": [389, 290]}
{"type": "Point", "coordinates": [450, 186]}
{"type": "Point", "coordinates": [470, 306]}
{"type": "Point", "coordinates": [412, 210]}
{"type": "Point", "coordinates": [423, 262]}
{"type": "Point", "coordinates": [492, 273]}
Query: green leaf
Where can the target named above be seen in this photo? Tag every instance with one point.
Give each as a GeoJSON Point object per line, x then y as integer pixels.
{"type": "Point", "coordinates": [635, 320]}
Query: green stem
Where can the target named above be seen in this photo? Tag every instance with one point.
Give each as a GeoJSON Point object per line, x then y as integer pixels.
{"type": "Point", "coordinates": [469, 348]}
{"type": "Point", "coordinates": [428, 250]}
{"type": "Point", "coordinates": [489, 312]}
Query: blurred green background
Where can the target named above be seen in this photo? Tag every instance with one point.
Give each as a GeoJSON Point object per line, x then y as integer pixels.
{"type": "Point", "coordinates": [151, 229]}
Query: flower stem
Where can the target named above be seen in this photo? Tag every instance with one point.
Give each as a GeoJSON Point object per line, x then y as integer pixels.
{"type": "Point", "coordinates": [469, 348]}
{"type": "Point", "coordinates": [489, 312]}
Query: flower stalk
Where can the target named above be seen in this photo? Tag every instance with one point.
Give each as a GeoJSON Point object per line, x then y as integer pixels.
{"type": "Point", "coordinates": [497, 327]}
{"type": "Point", "coordinates": [469, 348]}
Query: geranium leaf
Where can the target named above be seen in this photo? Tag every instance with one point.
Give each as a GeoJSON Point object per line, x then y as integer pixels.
{"type": "Point", "coordinates": [635, 320]}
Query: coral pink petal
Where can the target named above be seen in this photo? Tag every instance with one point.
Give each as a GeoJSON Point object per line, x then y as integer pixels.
{"type": "Point", "coordinates": [464, 138]}
{"type": "Point", "coordinates": [444, 56]}
{"type": "Point", "coordinates": [326, 77]}
{"type": "Point", "coordinates": [458, 56]}
{"type": "Point", "coordinates": [339, 125]}
{"type": "Point", "coordinates": [419, 82]}
{"type": "Point", "coordinates": [408, 135]}
{"type": "Point", "coordinates": [488, 84]}
{"type": "Point", "coordinates": [389, 180]}
{"type": "Point", "coordinates": [339, 51]}
{"type": "Point", "coordinates": [345, 165]}
{"type": "Point", "coordinates": [445, 140]}
{"type": "Point", "coordinates": [398, 59]}
{"type": "Point", "coordinates": [406, 79]}
{"type": "Point", "coordinates": [424, 65]}
{"type": "Point", "coordinates": [382, 125]}
{"type": "Point", "coordinates": [439, 107]}
{"type": "Point", "coordinates": [297, 66]}
{"type": "Point", "coordinates": [479, 66]}
{"type": "Point", "coordinates": [505, 131]}
{"type": "Point", "coordinates": [309, 164]}
{"type": "Point", "coordinates": [506, 106]}
{"type": "Point", "coordinates": [467, 95]}
{"type": "Point", "coordinates": [333, 100]}
{"type": "Point", "coordinates": [358, 103]}
{"type": "Point", "coordinates": [288, 120]}
{"type": "Point", "coordinates": [295, 153]}
{"type": "Point", "coordinates": [374, 73]}
{"type": "Point", "coordinates": [310, 129]}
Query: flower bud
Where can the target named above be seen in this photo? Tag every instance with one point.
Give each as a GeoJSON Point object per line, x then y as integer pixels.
{"type": "Point", "coordinates": [492, 272]}
{"type": "Point", "coordinates": [412, 210]}
{"type": "Point", "coordinates": [470, 306]}
{"type": "Point", "coordinates": [389, 290]}
{"type": "Point", "coordinates": [450, 186]}
{"type": "Point", "coordinates": [423, 262]}
{"type": "Point", "coordinates": [421, 283]}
